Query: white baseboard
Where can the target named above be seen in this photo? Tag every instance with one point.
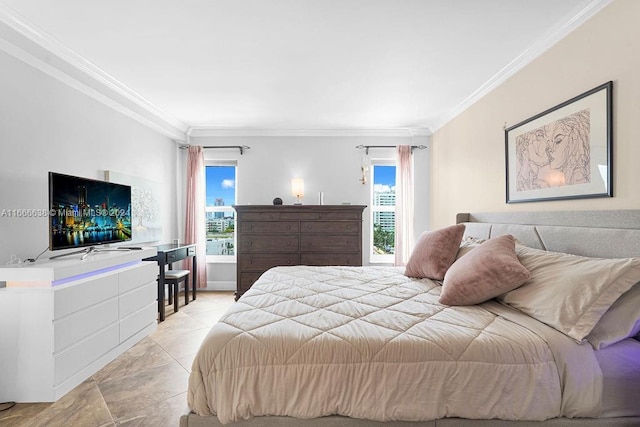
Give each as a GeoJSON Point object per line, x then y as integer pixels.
{"type": "Point", "coordinates": [220, 286]}
{"type": "Point", "coordinates": [211, 286]}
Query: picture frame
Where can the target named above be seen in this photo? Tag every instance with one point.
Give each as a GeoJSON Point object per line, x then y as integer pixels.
{"type": "Point", "coordinates": [564, 152]}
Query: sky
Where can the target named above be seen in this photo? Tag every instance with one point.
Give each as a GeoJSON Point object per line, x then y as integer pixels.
{"type": "Point", "coordinates": [384, 178]}
{"type": "Point", "coordinates": [221, 183]}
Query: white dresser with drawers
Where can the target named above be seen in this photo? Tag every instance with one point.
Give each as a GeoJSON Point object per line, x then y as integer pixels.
{"type": "Point", "coordinates": [62, 320]}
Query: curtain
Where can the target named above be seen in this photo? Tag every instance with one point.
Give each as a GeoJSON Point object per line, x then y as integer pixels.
{"type": "Point", "coordinates": [404, 204]}
{"type": "Point", "coordinates": [195, 214]}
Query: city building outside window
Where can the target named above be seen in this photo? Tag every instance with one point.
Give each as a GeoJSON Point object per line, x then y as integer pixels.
{"type": "Point", "coordinates": [220, 215]}
{"type": "Point", "coordinates": [383, 211]}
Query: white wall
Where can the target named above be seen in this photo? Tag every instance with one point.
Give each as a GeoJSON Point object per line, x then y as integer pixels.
{"type": "Point", "coordinates": [327, 164]}
{"type": "Point", "coordinates": [47, 126]}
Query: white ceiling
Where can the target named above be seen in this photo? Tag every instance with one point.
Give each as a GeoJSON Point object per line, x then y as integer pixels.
{"type": "Point", "coordinates": [304, 64]}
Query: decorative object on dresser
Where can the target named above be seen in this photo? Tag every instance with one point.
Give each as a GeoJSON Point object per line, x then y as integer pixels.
{"type": "Point", "coordinates": [270, 236]}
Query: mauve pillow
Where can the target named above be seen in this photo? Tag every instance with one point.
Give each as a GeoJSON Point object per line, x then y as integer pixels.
{"type": "Point", "coordinates": [487, 271]}
{"type": "Point", "coordinates": [434, 253]}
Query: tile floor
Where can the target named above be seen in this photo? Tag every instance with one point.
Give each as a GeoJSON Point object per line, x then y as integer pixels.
{"type": "Point", "coordinates": [146, 386]}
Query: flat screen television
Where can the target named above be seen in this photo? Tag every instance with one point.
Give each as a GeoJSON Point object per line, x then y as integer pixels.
{"type": "Point", "coordinates": [86, 212]}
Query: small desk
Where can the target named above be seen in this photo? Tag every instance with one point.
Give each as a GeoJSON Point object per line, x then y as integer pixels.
{"type": "Point", "coordinates": [167, 255]}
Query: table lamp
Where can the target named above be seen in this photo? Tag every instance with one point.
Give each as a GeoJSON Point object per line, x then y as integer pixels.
{"type": "Point", "coordinates": [297, 189]}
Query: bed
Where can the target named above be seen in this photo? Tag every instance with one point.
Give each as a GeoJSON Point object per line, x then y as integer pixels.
{"type": "Point", "coordinates": [359, 346]}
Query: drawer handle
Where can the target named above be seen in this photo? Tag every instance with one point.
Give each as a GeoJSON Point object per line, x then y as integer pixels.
{"type": "Point", "coordinates": [250, 227]}
{"type": "Point", "coordinates": [348, 227]}
{"type": "Point", "coordinates": [309, 227]}
{"type": "Point", "coordinates": [288, 227]}
{"type": "Point", "coordinates": [288, 243]}
{"type": "Point", "coordinates": [250, 243]}
{"type": "Point", "coordinates": [310, 243]}
{"type": "Point", "coordinates": [289, 262]}
{"type": "Point", "coordinates": [250, 262]}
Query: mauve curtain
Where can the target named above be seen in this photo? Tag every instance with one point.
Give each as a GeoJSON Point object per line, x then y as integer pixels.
{"type": "Point", "coordinates": [194, 231]}
{"type": "Point", "coordinates": [404, 204]}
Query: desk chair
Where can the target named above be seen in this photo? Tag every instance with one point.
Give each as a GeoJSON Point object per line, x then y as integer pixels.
{"type": "Point", "coordinates": [173, 279]}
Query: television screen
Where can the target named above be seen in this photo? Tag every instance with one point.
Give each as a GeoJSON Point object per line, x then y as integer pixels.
{"type": "Point", "coordinates": [87, 212]}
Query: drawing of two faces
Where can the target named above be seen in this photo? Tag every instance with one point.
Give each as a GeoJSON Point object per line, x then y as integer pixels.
{"type": "Point", "coordinates": [555, 154]}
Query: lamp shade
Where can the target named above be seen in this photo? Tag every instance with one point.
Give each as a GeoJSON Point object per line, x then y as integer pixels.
{"type": "Point", "coordinates": [297, 187]}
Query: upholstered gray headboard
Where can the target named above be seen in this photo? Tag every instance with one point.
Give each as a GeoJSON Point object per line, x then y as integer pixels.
{"type": "Point", "coordinates": [604, 234]}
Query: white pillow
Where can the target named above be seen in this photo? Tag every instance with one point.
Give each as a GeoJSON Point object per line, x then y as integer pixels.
{"type": "Point", "coordinates": [568, 292]}
{"type": "Point", "coordinates": [467, 244]}
{"type": "Point", "coordinates": [621, 321]}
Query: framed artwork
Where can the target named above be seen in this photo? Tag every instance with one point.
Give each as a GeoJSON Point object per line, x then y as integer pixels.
{"type": "Point", "coordinates": [564, 152]}
{"type": "Point", "coordinates": [146, 215]}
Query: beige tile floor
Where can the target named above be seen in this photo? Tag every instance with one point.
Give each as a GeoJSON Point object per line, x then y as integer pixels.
{"type": "Point", "coordinates": [145, 386]}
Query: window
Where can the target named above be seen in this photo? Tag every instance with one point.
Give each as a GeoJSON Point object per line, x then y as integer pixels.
{"type": "Point", "coordinates": [383, 211]}
{"type": "Point", "coordinates": [220, 215]}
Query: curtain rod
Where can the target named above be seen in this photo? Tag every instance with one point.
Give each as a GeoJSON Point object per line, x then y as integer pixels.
{"type": "Point", "coordinates": [239, 147]}
{"type": "Point", "coordinates": [367, 147]}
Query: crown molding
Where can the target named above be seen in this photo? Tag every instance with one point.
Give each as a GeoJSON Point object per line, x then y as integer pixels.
{"type": "Point", "coordinates": [535, 50]}
{"type": "Point", "coordinates": [212, 131]}
{"type": "Point", "coordinates": [40, 50]}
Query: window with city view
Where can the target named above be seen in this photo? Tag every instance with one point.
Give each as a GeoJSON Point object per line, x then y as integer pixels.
{"type": "Point", "coordinates": [220, 216]}
{"type": "Point", "coordinates": [383, 207]}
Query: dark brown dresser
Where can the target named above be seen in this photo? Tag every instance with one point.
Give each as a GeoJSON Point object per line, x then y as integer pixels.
{"type": "Point", "coordinates": [269, 236]}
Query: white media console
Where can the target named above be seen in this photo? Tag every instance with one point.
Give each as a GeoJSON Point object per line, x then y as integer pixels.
{"type": "Point", "coordinates": [62, 320]}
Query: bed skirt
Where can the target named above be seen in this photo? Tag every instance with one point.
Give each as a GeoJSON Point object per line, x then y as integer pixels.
{"type": "Point", "coordinates": [193, 420]}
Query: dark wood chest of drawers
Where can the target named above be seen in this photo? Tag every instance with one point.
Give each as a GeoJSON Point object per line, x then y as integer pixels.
{"type": "Point", "coordinates": [269, 236]}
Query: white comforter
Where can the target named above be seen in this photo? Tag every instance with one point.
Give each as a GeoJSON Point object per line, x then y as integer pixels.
{"type": "Point", "coordinates": [368, 342]}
